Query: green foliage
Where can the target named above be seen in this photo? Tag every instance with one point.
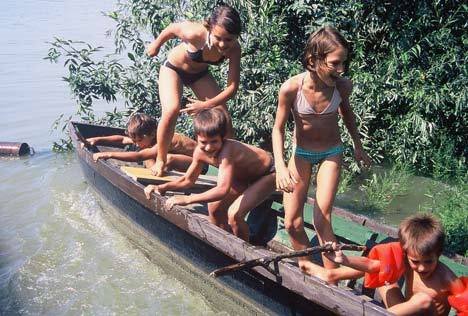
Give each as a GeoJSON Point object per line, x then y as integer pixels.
{"type": "Point", "coordinates": [446, 166]}
{"type": "Point", "coordinates": [380, 189]}
{"type": "Point", "coordinates": [63, 145]}
{"type": "Point", "coordinates": [409, 67]}
{"type": "Point", "coordinates": [346, 180]}
{"type": "Point", "coordinates": [450, 205]}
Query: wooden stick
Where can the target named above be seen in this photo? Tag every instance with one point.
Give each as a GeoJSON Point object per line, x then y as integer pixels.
{"type": "Point", "coordinates": [265, 261]}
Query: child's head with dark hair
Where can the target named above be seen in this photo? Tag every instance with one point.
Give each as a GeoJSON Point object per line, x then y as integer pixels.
{"type": "Point", "coordinates": [320, 44]}
{"type": "Point", "coordinates": [422, 234]}
{"type": "Point", "coordinates": [210, 122]}
{"type": "Point", "coordinates": [422, 238]}
{"type": "Point", "coordinates": [226, 17]}
{"type": "Point", "coordinates": [141, 128]}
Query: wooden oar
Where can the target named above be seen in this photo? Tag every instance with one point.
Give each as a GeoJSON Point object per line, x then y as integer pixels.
{"type": "Point", "coordinates": [265, 261]}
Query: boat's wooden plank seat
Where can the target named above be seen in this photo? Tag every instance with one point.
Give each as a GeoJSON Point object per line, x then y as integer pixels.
{"type": "Point", "coordinates": [144, 176]}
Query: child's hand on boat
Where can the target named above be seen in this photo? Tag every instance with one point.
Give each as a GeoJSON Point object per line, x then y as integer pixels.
{"type": "Point", "coordinates": [98, 156]}
{"type": "Point", "coordinates": [91, 141]}
{"type": "Point", "coordinates": [153, 188]}
{"type": "Point", "coordinates": [158, 168]}
{"type": "Point", "coordinates": [177, 200]}
{"type": "Point", "coordinates": [285, 181]}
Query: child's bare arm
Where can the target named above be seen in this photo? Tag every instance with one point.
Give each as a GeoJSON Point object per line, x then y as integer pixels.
{"type": "Point", "coordinates": [363, 264]}
{"type": "Point", "coordinates": [225, 176]}
{"type": "Point", "coordinates": [110, 139]}
{"type": "Point", "coordinates": [332, 276]}
{"type": "Point", "coordinates": [184, 182]}
{"type": "Point", "coordinates": [186, 31]}
{"type": "Point", "coordinates": [141, 155]}
{"type": "Point", "coordinates": [349, 120]}
{"type": "Point", "coordinates": [284, 179]}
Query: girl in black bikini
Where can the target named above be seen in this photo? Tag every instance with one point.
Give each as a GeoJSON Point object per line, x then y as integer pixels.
{"type": "Point", "coordinates": [187, 64]}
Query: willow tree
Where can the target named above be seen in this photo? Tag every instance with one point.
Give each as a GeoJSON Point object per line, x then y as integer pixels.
{"type": "Point", "coordinates": [409, 67]}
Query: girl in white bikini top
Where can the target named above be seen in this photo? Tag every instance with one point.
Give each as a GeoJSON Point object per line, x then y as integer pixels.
{"type": "Point", "coordinates": [302, 106]}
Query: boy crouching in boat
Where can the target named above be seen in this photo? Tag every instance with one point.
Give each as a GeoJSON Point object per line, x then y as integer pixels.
{"type": "Point", "coordinates": [141, 131]}
{"type": "Point", "coordinates": [246, 174]}
{"type": "Point", "coordinates": [430, 284]}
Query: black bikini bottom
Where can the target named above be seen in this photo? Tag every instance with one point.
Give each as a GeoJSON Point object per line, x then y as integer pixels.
{"type": "Point", "coordinates": [186, 77]}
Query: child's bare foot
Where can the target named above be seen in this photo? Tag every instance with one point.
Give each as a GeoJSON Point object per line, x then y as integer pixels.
{"type": "Point", "coordinates": [310, 268]}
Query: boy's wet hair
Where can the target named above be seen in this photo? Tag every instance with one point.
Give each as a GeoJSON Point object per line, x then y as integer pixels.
{"type": "Point", "coordinates": [210, 122]}
{"type": "Point", "coordinates": [140, 125]}
{"type": "Point", "coordinates": [422, 234]}
{"type": "Point", "coordinates": [227, 17]}
{"type": "Point", "coordinates": [320, 43]}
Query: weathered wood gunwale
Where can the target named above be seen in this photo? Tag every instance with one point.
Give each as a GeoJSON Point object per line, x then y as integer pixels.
{"type": "Point", "coordinates": [339, 300]}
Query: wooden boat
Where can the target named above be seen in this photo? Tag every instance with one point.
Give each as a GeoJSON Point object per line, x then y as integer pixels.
{"type": "Point", "coordinates": [186, 233]}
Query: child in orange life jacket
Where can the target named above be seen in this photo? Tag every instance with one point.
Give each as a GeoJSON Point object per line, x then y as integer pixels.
{"type": "Point", "coordinates": [430, 284]}
{"type": "Point", "coordinates": [317, 99]}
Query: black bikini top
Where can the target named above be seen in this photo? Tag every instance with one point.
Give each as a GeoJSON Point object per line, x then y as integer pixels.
{"type": "Point", "coordinates": [197, 56]}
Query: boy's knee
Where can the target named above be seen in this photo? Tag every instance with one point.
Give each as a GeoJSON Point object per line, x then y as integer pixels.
{"type": "Point", "coordinates": [169, 161]}
{"type": "Point", "coordinates": [234, 218]}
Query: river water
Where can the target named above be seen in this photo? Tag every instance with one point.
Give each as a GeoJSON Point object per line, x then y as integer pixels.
{"type": "Point", "coordinates": [58, 253]}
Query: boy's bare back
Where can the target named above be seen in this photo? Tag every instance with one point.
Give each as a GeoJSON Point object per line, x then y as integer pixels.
{"type": "Point", "coordinates": [182, 145]}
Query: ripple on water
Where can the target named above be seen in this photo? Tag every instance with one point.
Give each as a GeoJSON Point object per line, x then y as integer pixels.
{"type": "Point", "coordinates": [59, 255]}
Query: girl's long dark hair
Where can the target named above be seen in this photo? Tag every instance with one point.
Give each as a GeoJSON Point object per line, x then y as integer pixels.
{"type": "Point", "coordinates": [227, 17]}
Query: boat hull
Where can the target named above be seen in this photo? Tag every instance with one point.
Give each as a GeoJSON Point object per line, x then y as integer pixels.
{"type": "Point", "coordinates": [192, 259]}
{"type": "Point", "coordinates": [184, 235]}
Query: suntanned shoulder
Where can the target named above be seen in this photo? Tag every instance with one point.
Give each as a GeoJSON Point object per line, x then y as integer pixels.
{"type": "Point", "coordinates": [445, 273]}
{"type": "Point", "coordinates": [190, 31]}
{"type": "Point", "coordinates": [178, 137]}
{"type": "Point", "coordinates": [235, 51]}
{"type": "Point", "coordinates": [290, 86]}
{"type": "Point", "coordinates": [344, 86]}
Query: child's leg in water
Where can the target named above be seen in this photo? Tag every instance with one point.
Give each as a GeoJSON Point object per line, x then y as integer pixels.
{"type": "Point", "coordinates": [328, 176]}
{"type": "Point", "coordinates": [294, 206]}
